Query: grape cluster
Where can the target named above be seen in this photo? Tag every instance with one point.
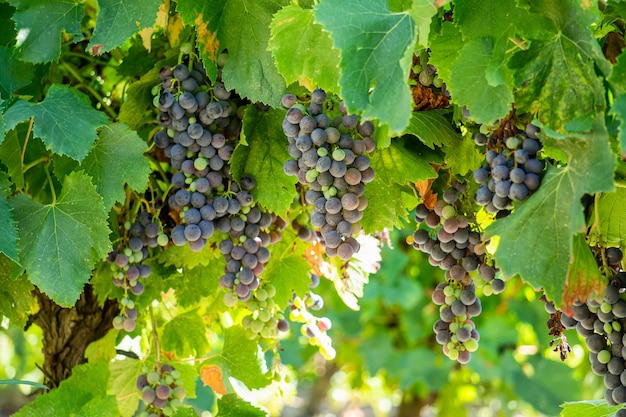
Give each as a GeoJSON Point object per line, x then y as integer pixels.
{"type": "Point", "coordinates": [512, 171]}
{"type": "Point", "coordinates": [197, 138]}
{"type": "Point", "coordinates": [447, 237]}
{"type": "Point", "coordinates": [330, 158]}
{"type": "Point", "coordinates": [161, 391]}
{"type": "Point", "coordinates": [201, 128]}
{"type": "Point", "coordinates": [128, 267]}
{"type": "Point", "coordinates": [313, 328]}
{"type": "Point", "coordinates": [245, 251]}
{"type": "Point", "coordinates": [603, 325]}
{"type": "Point", "coordinates": [264, 319]}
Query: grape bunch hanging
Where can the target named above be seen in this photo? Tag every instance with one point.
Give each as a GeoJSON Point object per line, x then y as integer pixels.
{"type": "Point", "coordinates": [330, 158]}
{"type": "Point", "coordinates": [454, 244]}
{"type": "Point", "coordinates": [602, 322]}
{"type": "Point", "coordinates": [512, 171]}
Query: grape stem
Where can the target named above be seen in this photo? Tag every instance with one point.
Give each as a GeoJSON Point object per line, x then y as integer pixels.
{"type": "Point", "coordinates": [90, 90]}
{"type": "Point", "coordinates": [155, 335]}
{"type": "Point", "coordinates": [52, 191]}
{"type": "Point", "coordinates": [30, 129]}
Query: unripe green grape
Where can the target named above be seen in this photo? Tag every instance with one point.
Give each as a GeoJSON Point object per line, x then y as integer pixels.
{"type": "Point", "coordinates": [513, 142]}
{"type": "Point", "coordinates": [175, 374]}
{"type": "Point", "coordinates": [453, 354]}
{"type": "Point", "coordinates": [606, 307]}
{"type": "Point", "coordinates": [256, 326]}
{"type": "Point", "coordinates": [162, 239]}
{"type": "Point", "coordinates": [200, 163]}
{"type": "Point", "coordinates": [604, 356]}
{"type": "Point", "coordinates": [153, 377]}
{"type": "Point", "coordinates": [261, 294]}
{"type": "Point", "coordinates": [448, 212]}
{"type": "Point", "coordinates": [230, 299]}
{"type": "Point", "coordinates": [471, 345]}
{"type": "Point", "coordinates": [264, 316]}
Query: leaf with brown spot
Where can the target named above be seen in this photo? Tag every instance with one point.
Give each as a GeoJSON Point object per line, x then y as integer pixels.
{"type": "Point", "coordinates": [207, 39]}
{"type": "Point", "coordinates": [583, 275]}
{"type": "Point", "coordinates": [211, 376]}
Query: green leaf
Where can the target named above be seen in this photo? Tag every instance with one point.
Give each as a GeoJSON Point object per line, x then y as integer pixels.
{"type": "Point", "coordinates": [462, 155]}
{"type": "Point", "coordinates": [60, 242]}
{"type": "Point", "coordinates": [7, 25]}
{"type": "Point", "coordinates": [198, 282]}
{"type": "Point", "coordinates": [122, 384]}
{"type": "Point", "coordinates": [612, 217]}
{"type": "Point", "coordinates": [183, 257]}
{"type": "Point", "coordinates": [8, 238]}
{"type": "Point", "coordinates": [469, 86]}
{"type": "Point", "coordinates": [403, 162]}
{"type": "Point", "coordinates": [15, 75]}
{"type": "Point", "coordinates": [71, 136]}
{"type": "Point", "coordinates": [618, 109]}
{"type": "Point", "coordinates": [118, 21]}
{"type": "Point", "coordinates": [554, 210]}
{"type": "Point", "coordinates": [117, 159]}
{"type": "Point", "coordinates": [15, 301]}
{"type": "Point", "coordinates": [422, 11]}
{"type": "Point", "coordinates": [444, 49]}
{"type": "Point", "coordinates": [263, 158]}
{"type": "Point", "coordinates": [304, 52]}
{"type": "Point", "coordinates": [240, 358]}
{"type": "Point", "coordinates": [583, 275]}
{"type": "Point", "coordinates": [243, 28]}
{"type": "Point", "coordinates": [288, 271]}
{"type": "Point", "coordinates": [86, 387]}
{"type": "Point", "coordinates": [185, 335]}
{"type": "Point", "coordinates": [593, 408]}
{"type": "Point", "coordinates": [376, 52]}
{"type": "Point", "coordinates": [231, 405]}
{"type": "Point", "coordinates": [618, 75]}
{"type": "Point", "coordinates": [42, 23]}
{"type": "Point", "coordinates": [139, 95]}
{"type": "Point", "coordinates": [556, 77]}
{"type": "Point", "coordinates": [431, 128]}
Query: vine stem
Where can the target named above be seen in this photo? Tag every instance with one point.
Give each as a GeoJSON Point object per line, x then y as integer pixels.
{"type": "Point", "coordinates": [30, 129]}
{"type": "Point", "coordinates": [91, 90]}
{"type": "Point", "coordinates": [52, 191]}
{"type": "Point", "coordinates": [155, 335]}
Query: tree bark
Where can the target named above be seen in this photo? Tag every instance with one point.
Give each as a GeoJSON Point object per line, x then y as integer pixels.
{"type": "Point", "coordinates": [68, 331]}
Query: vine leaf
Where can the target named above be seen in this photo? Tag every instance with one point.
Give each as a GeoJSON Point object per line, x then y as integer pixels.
{"type": "Point", "coordinates": [376, 52]}
{"type": "Point", "coordinates": [211, 376]}
{"type": "Point", "coordinates": [593, 408]}
{"type": "Point", "coordinates": [122, 384]}
{"type": "Point", "coordinates": [117, 158]}
{"type": "Point", "coordinates": [462, 155]}
{"type": "Point", "coordinates": [554, 210]}
{"type": "Point", "coordinates": [432, 128]}
{"type": "Point", "coordinates": [243, 28]}
{"type": "Point", "coordinates": [184, 335]}
{"type": "Point", "coordinates": [60, 242]}
{"type": "Point", "coordinates": [15, 299]}
{"type": "Point", "coordinates": [403, 162]}
{"type": "Point", "coordinates": [240, 359]}
{"type": "Point", "coordinates": [556, 76]}
{"type": "Point", "coordinates": [295, 37]}
{"type": "Point", "coordinates": [198, 282]}
{"type": "Point", "coordinates": [15, 74]}
{"type": "Point", "coordinates": [288, 271]}
{"type": "Point", "coordinates": [583, 275]}
{"type": "Point", "coordinates": [118, 19]}
{"type": "Point", "coordinates": [9, 236]}
{"type": "Point", "coordinates": [73, 137]}
{"type": "Point", "coordinates": [85, 387]}
{"type": "Point", "coordinates": [263, 158]}
{"type": "Point", "coordinates": [618, 109]}
{"type": "Point", "coordinates": [40, 39]}
{"type": "Point", "coordinates": [469, 86]}
{"type": "Point", "coordinates": [232, 405]}
{"type": "Point", "coordinates": [422, 12]}
{"type": "Point", "coordinates": [612, 217]}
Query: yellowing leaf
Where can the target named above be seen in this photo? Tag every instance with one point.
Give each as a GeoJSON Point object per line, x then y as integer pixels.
{"type": "Point", "coordinates": [211, 376]}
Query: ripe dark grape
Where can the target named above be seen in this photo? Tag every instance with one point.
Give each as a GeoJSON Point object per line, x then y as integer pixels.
{"type": "Point", "coordinates": [333, 164]}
